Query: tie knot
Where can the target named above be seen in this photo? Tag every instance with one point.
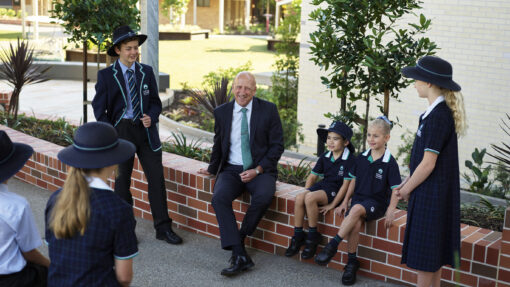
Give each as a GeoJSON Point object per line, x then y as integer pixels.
{"type": "Point", "coordinates": [243, 110]}
{"type": "Point", "coordinates": [129, 72]}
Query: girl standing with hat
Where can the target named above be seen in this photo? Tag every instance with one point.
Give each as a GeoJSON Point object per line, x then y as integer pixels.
{"type": "Point", "coordinates": [334, 167]}
{"type": "Point", "coordinates": [21, 264]}
{"type": "Point", "coordinates": [90, 230]}
{"type": "Point", "coordinates": [432, 237]}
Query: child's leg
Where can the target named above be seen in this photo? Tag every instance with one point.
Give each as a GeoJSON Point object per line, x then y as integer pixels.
{"type": "Point", "coordinates": [299, 209]}
{"type": "Point", "coordinates": [312, 202]}
{"type": "Point", "coordinates": [350, 224]}
{"type": "Point", "coordinates": [299, 236]}
{"type": "Point", "coordinates": [353, 240]}
{"type": "Point", "coordinates": [427, 279]}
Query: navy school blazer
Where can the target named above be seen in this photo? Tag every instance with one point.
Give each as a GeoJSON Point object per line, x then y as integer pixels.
{"type": "Point", "coordinates": [266, 136]}
{"type": "Point", "coordinates": [110, 101]}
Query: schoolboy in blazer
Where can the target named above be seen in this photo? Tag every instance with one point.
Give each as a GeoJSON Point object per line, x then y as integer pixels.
{"type": "Point", "coordinates": [127, 97]}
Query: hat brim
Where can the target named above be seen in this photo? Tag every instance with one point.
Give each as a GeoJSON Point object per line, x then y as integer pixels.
{"type": "Point", "coordinates": [417, 74]}
{"type": "Point", "coordinates": [111, 50]}
{"type": "Point", "coordinates": [21, 154]}
{"type": "Point", "coordinates": [97, 159]}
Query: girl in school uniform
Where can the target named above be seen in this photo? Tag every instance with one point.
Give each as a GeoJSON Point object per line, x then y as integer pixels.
{"type": "Point", "coordinates": [333, 166]}
{"type": "Point", "coordinates": [90, 231]}
{"type": "Point", "coordinates": [374, 175]}
{"type": "Point", "coordinates": [432, 237]}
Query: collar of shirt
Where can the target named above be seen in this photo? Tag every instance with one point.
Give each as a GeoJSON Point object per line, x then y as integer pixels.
{"type": "Point", "coordinates": [345, 155]}
{"type": "Point", "coordinates": [237, 107]}
{"type": "Point", "coordinates": [96, 182]}
{"type": "Point", "coordinates": [124, 68]}
{"type": "Point", "coordinates": [431, 107]}
{"type": "Point", "coordinates": [386, 157]}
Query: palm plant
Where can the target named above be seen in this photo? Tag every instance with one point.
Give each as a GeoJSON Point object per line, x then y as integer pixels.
{"type": "Point", "coordinates": [209, 100]}
{"type": "Point", "coordinates": [16, 67]}
{"type": "Point", "coordinates": [503, 152]}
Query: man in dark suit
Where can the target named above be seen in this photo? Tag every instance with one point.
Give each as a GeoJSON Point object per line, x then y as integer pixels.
{"type": "Point", "coordinates": [127, 97]}
{"type": "Point", "coordinates": [248, 143]}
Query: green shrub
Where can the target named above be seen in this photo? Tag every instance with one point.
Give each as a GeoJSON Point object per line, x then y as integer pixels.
{"type": "Point", "coordinates": [11, 13]}
{"type": "Point", "coordinates": [190, 149]}
{"type": "Point", "coordinates": [3, 11]}
{"type": "Point", "coordinates": [229, 73]}
{"type": "Point", "coordinates": [296, 175]}
{"type": "Point", "coordinates": [483, 214]}
{"type": "Point", "coordinates": [57, 131]}
{"type": "Point", "coordinates": [404, 150]}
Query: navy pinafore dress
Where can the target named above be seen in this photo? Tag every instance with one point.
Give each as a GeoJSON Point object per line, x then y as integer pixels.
{"type": "Point", "coordinates": [432, 236]}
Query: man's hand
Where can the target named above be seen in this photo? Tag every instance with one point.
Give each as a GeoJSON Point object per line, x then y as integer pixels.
{"type": "Point", "coordinates": [146, 120]}
{"type": "Point", "coordinates": [248, 175]}
{"type": "Point", "coordinates": [204, 171]}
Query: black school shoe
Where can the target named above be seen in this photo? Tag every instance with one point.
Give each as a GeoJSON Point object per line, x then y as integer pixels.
{"type": "Point", "coordinates": [169, 236]}
{"type": "Point", "coordinates": [325, 255]}
{"type": "Point", "coordinates": [349, 276]}
{"type": "Point", "coordinates": [311, 246]}
{"type": "Point", "coordinates": [295, 245]}
{"type": "Point", "coordinates": [238, 264]}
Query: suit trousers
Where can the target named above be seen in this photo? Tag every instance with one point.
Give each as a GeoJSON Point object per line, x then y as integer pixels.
{"type": "Point", "coordinates": [227, 188]}
{"type": "Point", "coordinates": [151, 162]}
{"type": "Point", "coordinates": [32, 274]}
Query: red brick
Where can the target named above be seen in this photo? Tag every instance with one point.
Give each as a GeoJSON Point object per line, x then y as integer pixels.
{"type": "Point", "coordinates": [198, 204]}
{"type": "Point", "coordinates": [290, 206]}
{"type": "Point", "coordinates": [213, 230]}
{"type": "Point", "coordinates": [382, 231]}
{"type": "Point", "coordinates": [504, 275]}
{"type": "Point", "coordinates": [465, 265]}
{"type": "Point", "coordinates": [282, 205]}
{"type": "Point", "coordinates": [176, 197]}
{"type": "Point", "coordinates": [176, 217]}
{"type": "Point", "coordinates": [284, 230]}
{"type": "Point", "coordinates": [386, 270]}
{"type": "Point", "coordinates": [327, 230]}
{"type": "Point", "coordinates": [171, 173]}
{"type": "Point", "coordinates": [409, 276]}
{"type": "Point", "coordinates": [493, 252]}
{"type": "Point", "coordinates": [261, 245]}
{"type": "Point", "coordinates": [142, 205]}
{"type": "Point", "coordinates": [479, 250]}
{"type": "Point", "coordinates": [140, 185]}
{"type": "Point", "coordinates": [505, 247]}
{"type": "Point", "coordinates": [466, 250]}
{"type": "Point", "coordinates": [504, 261]}
{"type": "Point", "coordinates": [200, 183]}
{"type": "Point", "coordinates": [365, 240]}
{"type": "Point", "coordinates": [267, 225]}
{"type": "Point", "coordinates": [42, 184]}
{"type": "Point", "coordinates": [446, 274]}
{"type": "Point", "coordinates": [147, 216]}
{"type": "Point", "coordinates": [171, 205]}
{"type": "Point", "coordinates": [178, 176]}
{"type": "Point", "coordinates": [186, 191]}
{"type": "Point", "coordinates": [137, 212]}
{"type": "Point", "coordinates": [244, 207]}
{"type": "Point", "coordinates": [207, 217]}
{"type": "Point", "coordinates": [387, 246]}
{"type": "Point", "coordinates": [395, 261]}
{"type": "Point", "coordinates": [468, 279]}
{"type": "Point", "coordinates": [197, 224]}
{"type": "Point", "coordinates": [484, 282]}
{"type": "Point", "coordinates": [136, 193]}
{"type": "Point", "coordinates": [185, 178]}
{"type": "Point", "coordinates": [276, 238]}
{"type": "Point", "coordinates": [236, 205]}
{"type": "Point", "coordinates": [192, 180]}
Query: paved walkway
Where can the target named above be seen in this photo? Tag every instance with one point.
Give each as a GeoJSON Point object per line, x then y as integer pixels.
{"type": "Point", "coordinates": [199, 260]}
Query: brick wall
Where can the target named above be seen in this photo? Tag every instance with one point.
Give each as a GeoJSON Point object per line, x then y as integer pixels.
{"type": "Point", "coordinates": [485, 253]}
{"type": "Point", "coordinates": [5, 98]}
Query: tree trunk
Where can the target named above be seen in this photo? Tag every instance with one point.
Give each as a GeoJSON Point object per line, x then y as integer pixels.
{"type": "Point", "coordinates": [366, 123]}
{"type": "Point", "coordinates": [14, 104]}
{"type": "Point", "coordinates": [98, 59]}
{"type": "Point", "coordinates": [386, 102]}
{"type": "Point", "coordinates": [84, 81]}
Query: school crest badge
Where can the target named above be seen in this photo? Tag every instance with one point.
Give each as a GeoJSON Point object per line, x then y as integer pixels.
{"type": "Point", "coordinates": [341, 171]}
{"type": "Point", "coordinates": [379, 174]}
{"type": "Point", "coordinates": [418, 133]}
{"type": "Point", "coordinates": [145, 89]}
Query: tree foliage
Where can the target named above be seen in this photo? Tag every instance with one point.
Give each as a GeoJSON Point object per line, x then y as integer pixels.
{"type": "Point", "coordinates": [363, 45]}
{"type": "Point", "coordinates": [177, 7]}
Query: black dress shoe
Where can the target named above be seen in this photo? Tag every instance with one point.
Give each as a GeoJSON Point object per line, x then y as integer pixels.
{"type": "Point", "coordinates": [325, 255]}
{"type": "Point", "coordinates": [238, 264]}
{"type": "Point", "coordinates": [349, 276]}
{"type": "Point", "coordinates": [295, 245]}
{"type": "Point", "coordinates": [169, 236]}
{"type": "Point", "coordinates": [311, 246]}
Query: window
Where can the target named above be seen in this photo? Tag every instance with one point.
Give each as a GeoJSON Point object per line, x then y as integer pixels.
{"type": "Point", "coordinates": [203, 3]}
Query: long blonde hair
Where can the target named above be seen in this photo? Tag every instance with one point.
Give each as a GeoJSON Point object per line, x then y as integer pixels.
{"type": "Point", "coordinates": [71, 212]}
{"type": "Point", "coordinates": [455, 102]}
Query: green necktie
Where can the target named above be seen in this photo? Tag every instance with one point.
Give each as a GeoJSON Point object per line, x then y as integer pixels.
{"type": "Point", "coordinates": [245, 141]}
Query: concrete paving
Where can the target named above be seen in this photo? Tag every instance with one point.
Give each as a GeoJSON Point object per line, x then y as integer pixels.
{"type": "Point", "coordinates": [199, 260]}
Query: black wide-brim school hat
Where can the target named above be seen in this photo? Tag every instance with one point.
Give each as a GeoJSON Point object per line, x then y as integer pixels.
{"type": "Point", "coordinates": [96, 145]}
{"type": "Point", "coordinates": [340, 128]}
{"type": "Point", "coordinates": [13, 156]}
{"type": "Point", "coordinates": [433, 70]}
{"type": "Point", "coordinates": [122, 33]}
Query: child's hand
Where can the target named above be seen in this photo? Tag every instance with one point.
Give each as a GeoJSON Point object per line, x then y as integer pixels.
{"type": "Point", "coordinates": [402, 193]}
{"type": "Point", "coordinates": [325, 209]}
{"type": "Point", "coordinates": [340, 211]}
{"type": "Point", "coordinates": [390, 216]}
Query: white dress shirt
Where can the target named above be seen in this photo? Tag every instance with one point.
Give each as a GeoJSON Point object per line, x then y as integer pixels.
{"type": "Point", "coordinates": [129, 109]}
{"type": "Point", "coordinates": [236, 156]}
{"type": "Point", "coordinates": [18, 232]}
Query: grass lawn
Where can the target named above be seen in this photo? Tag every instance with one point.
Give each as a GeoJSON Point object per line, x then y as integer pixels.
{"type": "Point", "coordinates": [189, 61]}
{"type": "Point", "coordinates": [6, 35]}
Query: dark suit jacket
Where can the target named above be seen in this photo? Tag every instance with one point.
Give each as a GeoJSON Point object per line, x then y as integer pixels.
{"type": "Point", "coordinates": [110, 101]}
{"type": "Point", "coordinates": [266, 136]}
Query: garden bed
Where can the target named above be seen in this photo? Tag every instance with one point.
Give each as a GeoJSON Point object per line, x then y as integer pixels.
{"type": "Point", "coordinates": [184, 35]}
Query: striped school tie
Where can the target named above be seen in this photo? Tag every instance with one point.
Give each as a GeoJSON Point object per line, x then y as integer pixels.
{"type": "Point", "coordinates": [135, 100]}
